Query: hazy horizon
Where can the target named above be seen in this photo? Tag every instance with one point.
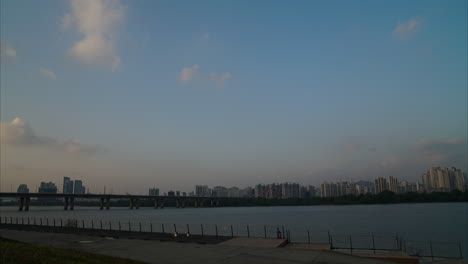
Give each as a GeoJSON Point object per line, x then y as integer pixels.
{"type": "Point", "coordinates": [136, 94]}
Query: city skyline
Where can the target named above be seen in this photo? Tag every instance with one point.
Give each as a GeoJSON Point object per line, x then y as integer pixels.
{"type": "Point", "coordinates": [122, 95]}
{"type": "Point", "coordinates": [436, 179]}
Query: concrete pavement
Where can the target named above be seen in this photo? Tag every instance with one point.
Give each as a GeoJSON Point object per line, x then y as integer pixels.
{"type": "Point", "coordinates": [172, 252]}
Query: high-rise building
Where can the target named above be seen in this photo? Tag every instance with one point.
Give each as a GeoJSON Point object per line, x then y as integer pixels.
{"type": "Point", "coordinates": [220, 191]}
{"type": "Point", "coordinates": [329, 189]}
{"type": "Point", "coordinates": [23, 188]}
{"type": "Point", "coordinates": [67, 185]}
{"type": "Point", "coordinates": [153, 192]}
{"type": "Point", "coordinates": [393, 184]}
{"type": "Point", "coordinates": [260, 191]}
{"type": "Point", "coordinates": [202, 191]}
{"type": "Point", "coordinates": [439, 179]}
{"type": "Point", "coordinates": [79, 188]}
{"type": "Point", "coordinates": [380, 185]}
{"type": "Point", "coordinates": [47, 187]}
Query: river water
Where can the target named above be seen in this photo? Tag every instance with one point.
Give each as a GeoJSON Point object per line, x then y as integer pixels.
{"type": "Point", "coordinates": [441, 222]}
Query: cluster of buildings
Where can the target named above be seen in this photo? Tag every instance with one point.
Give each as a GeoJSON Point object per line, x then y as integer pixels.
{"type": "Point", "coordinates": [73, 187]}
{"type": "Point", "coordinates": [439, 179]}
{"type": "Point", "coordinates": [69, 186]}
{"type": "Point", "coordinates": [436, 179]}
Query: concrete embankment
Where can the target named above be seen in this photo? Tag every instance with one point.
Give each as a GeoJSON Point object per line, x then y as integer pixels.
{"type": "Point", "coordinates": [155, 251]}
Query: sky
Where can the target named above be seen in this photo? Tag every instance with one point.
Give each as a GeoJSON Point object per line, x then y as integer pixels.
{"type": "Point", "coordinates": [135, 94]}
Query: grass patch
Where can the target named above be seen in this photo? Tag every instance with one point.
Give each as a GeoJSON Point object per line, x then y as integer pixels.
{"type": "Point", "coordinates": [17, 252]}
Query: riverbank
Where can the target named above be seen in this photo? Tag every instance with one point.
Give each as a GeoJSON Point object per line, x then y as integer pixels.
{"type": "Point", "coordinates": [150, 251]}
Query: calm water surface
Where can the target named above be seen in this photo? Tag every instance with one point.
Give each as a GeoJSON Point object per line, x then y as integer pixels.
{"type": "Point", "coordinates": [434, 221]}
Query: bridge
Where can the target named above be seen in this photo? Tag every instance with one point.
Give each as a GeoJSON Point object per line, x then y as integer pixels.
{"type": "Point", "coordinates": [24, 199]}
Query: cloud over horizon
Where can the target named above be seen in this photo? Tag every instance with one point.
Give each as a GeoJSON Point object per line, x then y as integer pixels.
{"type": "Point", "coordinates": [49, 74]}
{"type": "Point", "coordinates": [440, 150]}
{"type": "Point", "coordinates": [98, 23]}
{"type": "Point", "coordinates": [188, 74]}
{"type": "Point", "coordinates": [7, 51]}
{"type": "Point", "coordinates": [404, 30]}
{"type": "Point", "coordinates": [19, 133]}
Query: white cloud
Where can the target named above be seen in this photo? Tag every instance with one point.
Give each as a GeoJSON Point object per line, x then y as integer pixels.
{"type": "Point", "coordinates": [392, 162]}
{"type": "Point", "coordinates": [49, 74]}
{"type": "Point", "coordinates": [220, 79]}
{"type": "Point", "coordinates": [406, 29]}
{"type": "Point", "coordinates": [19, 133]}
{"type": "Point", "coordinates": [188, 74]}
{"type": "Point", "coordinates": [440, 150]}
{"type": "Point", "coordinates": [205, 36]}
{"type": "Point", "coordinates": [98, 23]}
{"type": "Point", "coordinates": [7, 51]}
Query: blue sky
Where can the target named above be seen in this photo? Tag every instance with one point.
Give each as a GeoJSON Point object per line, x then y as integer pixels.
{"type": "Point", "coordinates": [176, 93]}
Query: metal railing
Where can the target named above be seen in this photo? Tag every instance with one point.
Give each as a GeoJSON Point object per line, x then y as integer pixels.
{"type": "Point", "coordinates": [370, 243]}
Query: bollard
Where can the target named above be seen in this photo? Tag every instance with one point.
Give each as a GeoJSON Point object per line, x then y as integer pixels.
{"type": "Point", "coordinates": [330, 239]}
{"type": "Point", "coordinates": [264, 229]}
{"type": "Point", "coordinates": [139, 224]}
{"type": "Point", "coordinates": [151, 227]}
{"type": "Point", "coordinates": [175, 228]}
{"type": "Point", "coordinates": [432, 252]}
{"type": "Point", "coordinates": [373, 243]}
{"type": "Point", "coordinates": [216, 229]}
{"type": "Point", "coordinates": [82, 223]}
{"type": "Point", "coordinates": [351, 244]}
{"type": "Point", "coordinates": [162, 227]}
{"type": "Point", "coordinates": [308, 236]}
{"type": "Point", "coordinates": [232, 232]}
{"type": "Point", "coordinates": [460, 250]}
{"type": "Point", "coordinates": [248, 231]}
{"type": "Point", "coordinates": [201, 229]}
{"type": "Point", "coordinates": [188, 228]}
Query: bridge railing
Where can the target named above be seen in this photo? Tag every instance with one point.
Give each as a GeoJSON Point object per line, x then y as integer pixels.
{"type": "Point", "coordinates": [371, 243]}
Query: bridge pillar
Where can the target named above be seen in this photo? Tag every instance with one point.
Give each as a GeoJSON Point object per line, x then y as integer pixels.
{"type": "Point", "coordinates": [21, 203]}
{"type": "Point", "coordinates": [107, 203]}
{"type": "Point", "coordinates": [72, 203]}
{"type": "Point", "coordinates": [26, 205]}
{"type": "Point", "coordinates": [131, 203]}
{"type": "Point", "coordinates": [65, 203]}
{"type": "Point", "coordinates": [137, 205]}
{"type": "Point", "coordinates": [177, 203]}
{"type": "Point", "coordinates": [101, 203]}
{"type": "Point", "coordinates": [155, 203]}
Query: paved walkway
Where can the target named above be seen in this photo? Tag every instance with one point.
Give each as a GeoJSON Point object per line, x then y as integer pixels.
{"type": "Point", "coordinates": [172, 252]}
